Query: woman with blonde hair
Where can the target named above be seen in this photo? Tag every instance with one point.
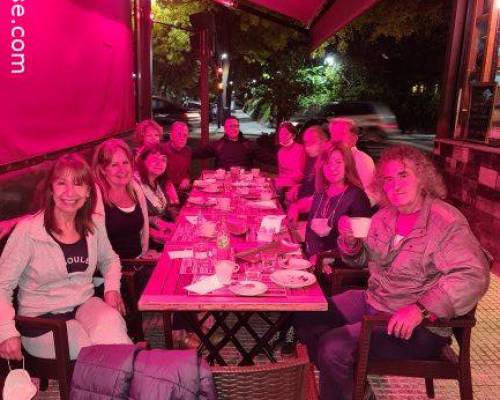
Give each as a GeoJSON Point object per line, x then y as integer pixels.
{"type": "Point", "coordinates": [121, 199]}
{"type": "Point", "coordinates": [148, 133]}
{"type": "Point", "coordinates": [51, 257]}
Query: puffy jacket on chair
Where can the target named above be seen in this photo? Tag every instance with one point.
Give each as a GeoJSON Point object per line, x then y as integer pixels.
{"type": "Point", "coordinates": [173, 375]}
{"type": "Point", "coordinates": [126, 372]}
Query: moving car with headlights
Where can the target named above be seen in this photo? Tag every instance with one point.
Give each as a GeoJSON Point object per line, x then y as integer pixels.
{"type": "Point", "coordinates": [375, 121]}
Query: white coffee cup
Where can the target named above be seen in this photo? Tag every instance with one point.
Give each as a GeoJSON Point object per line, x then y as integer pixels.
{"type": "Point", "coordinates": [320, 226]}
{"type": "Point", "coordinates": [224, 270]}
{"type": "Point", "coordinates": [220, 174]}
{"type": "Point", "coordinates": [360, 226]}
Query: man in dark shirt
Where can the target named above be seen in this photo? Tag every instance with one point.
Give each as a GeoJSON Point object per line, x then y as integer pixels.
{"type": "Point", "coordinates": [232, 150]}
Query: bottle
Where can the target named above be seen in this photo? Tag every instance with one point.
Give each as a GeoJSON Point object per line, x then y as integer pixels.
{"type": "Point", "coordinates": [223, 241]}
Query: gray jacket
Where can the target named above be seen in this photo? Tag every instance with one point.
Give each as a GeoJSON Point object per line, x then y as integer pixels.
{"type": "Point", "coordinates": [126, 372]}
{"type": "Point", "coordinates": [33, 261]}
{"type": "Point", "coordinates": [440, 263]}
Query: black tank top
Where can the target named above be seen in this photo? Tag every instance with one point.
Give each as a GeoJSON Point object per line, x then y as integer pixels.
{"type": "Point", "coordinates": [124, 230]}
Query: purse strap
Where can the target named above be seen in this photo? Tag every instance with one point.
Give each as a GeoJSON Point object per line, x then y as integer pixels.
{"type": "Point", "coordinates": [10, 368]}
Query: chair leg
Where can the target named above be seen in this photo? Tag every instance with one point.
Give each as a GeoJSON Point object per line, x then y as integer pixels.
{"type": "Point", "coordinates": [64, 389]}
{"type": "Point", "coordinates": [44, 384]}
{"type": "Point", "coordinates": [465, 385]}
{"type": "Point", "coordinates": [429, 387]}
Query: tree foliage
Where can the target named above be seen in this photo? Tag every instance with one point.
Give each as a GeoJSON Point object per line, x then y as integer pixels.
{"type": "Point", "coordinates": [381, 55]}
{"type": "Point", "coordinates": [175, 71]}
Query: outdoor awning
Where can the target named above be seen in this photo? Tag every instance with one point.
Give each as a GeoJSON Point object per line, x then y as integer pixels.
{"type": "Point", "coordinates": [322, 18]}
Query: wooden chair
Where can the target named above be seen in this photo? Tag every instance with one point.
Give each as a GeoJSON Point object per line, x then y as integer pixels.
{"type": "Point", "coordinates": [61, 368]}
{"type": "Point", "coordinates": [449, 364]}
{"type": "Point", "coordinates": [292, 379]}
{"type": "Point", "coordinates": [133, 290]}
{"type": "Point", "coordinates": [342, 277]}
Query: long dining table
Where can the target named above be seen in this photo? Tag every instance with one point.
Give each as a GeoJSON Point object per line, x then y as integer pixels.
{"type": "Point", "coordinates": [230, 313]}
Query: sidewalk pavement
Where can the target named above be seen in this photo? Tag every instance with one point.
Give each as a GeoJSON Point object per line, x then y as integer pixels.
{"type": "Point", "coordinates": [485, 359]}
{"type": "Point", "coordinates": [248, 127]}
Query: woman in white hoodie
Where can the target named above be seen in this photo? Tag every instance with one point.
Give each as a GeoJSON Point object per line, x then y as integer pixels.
{"type": "Point", "coordinates": [51, 257]}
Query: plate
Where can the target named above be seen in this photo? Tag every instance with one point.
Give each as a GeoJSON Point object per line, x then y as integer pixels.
{"type": "Point", "coordinates": [291, 278]}
{"type": "Point", "coordinates": [297, 264]}
{"type": "Point", "coordinates": [241, 184]}
{"type": "Point", "coordinates": [202, 201]}
{"type": "Point", "coordinates": [248, 288]}
{"type": "Point", "coordinates": [211, 189]}
{"type": "Point", "coordinates": [263, 204]}
{"type": "Point", "coordinates": [204, 182]}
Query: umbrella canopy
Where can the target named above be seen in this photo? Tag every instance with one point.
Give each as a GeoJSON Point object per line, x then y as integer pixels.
{"type": "Point", "coordinates": [322, 18]}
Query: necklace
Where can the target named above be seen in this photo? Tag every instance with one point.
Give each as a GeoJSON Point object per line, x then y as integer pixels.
{"type": "Point", "coordinates": [156, 197]}
{"type": "Point", "coordinates": [326, 212]}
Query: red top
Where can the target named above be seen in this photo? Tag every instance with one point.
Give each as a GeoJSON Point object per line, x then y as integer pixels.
{"type": "Point", "coordinates": [178, 163]}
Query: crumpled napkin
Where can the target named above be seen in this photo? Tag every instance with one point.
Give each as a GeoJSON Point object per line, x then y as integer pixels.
{"type": "Point", "coordinates": [272, 223]}
{"type": "Point", "coordinates": [175, 254]}
{"type": "Point", "coordinates": [205, 285]}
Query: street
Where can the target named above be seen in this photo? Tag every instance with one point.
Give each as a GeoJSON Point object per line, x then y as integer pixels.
{"type": "Point", "coordinates": [254, 129]}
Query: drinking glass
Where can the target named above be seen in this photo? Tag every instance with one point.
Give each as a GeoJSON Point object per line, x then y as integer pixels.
{"type": "Point", "coordinates": [268, 262]}
{"type": "Point", "coordinates": [253, 271]}
{"type": "Point", "coordinates": [201, 259]}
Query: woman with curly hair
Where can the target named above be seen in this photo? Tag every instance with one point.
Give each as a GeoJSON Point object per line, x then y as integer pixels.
{"type": "Point", "coordinates": [424, 263]}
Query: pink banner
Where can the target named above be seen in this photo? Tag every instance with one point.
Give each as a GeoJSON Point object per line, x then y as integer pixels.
{"type": "Point", "coordinates": [65, 74]}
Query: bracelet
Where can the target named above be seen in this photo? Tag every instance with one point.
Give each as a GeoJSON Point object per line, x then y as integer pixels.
{"type": "Point", "coordinates": [426, 314]}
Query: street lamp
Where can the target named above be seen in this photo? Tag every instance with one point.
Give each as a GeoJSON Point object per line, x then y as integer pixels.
{"type": "Point", "coordinates": [223, 56]}
{"type": "Point", "coordinates": [329, 60]}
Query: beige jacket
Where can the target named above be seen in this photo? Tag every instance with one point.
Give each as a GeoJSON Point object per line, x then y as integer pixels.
{"type": "Point", "coordinates": [440, 263]}
{"type": "Point", "coordinates": [34, 262]}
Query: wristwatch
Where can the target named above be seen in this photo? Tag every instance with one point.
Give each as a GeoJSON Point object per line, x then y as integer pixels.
{"type": "Point", "coordinates": [426, 314]}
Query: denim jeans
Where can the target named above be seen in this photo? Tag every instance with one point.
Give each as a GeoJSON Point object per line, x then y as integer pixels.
{"type": "Point", "coordinates": [332, 337]}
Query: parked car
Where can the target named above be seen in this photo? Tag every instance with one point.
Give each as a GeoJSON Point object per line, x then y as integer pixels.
{"type": "Point", "coordinates": [375, 120]}
{"type": "Point", "coordinates": [165, 112]}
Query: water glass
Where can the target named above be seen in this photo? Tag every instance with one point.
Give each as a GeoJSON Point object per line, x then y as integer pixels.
{"type": "Point", "coordinates": [201, 258]}
{"type": "Point", "coordinates": [268, 262]}
{"type": "Point", "coordinates": [253, 271]}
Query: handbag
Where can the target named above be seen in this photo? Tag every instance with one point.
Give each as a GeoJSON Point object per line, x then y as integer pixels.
{"type": "Point", "coordinates": [18, 385]}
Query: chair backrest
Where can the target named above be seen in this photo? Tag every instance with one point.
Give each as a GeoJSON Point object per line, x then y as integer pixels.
{"type": "Point", "coordinates": [275, 381]}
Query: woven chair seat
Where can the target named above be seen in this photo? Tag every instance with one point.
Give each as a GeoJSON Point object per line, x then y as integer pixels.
{"type": "Point", "coordinates": [286, 380]}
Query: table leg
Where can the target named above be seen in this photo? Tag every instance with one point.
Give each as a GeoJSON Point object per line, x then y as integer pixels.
{"type": "Point", "coordinates": [230, 333]}
{"type": "Point", "coordinates": [205, 339]}
{"type": "Point", "coordinates": [265, 346]}
{"type": "Point", "coordinates": [262, 343]}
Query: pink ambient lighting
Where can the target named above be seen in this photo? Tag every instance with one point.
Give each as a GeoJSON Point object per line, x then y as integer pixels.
{"type": "Point", "coordinates": [75, 84]}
